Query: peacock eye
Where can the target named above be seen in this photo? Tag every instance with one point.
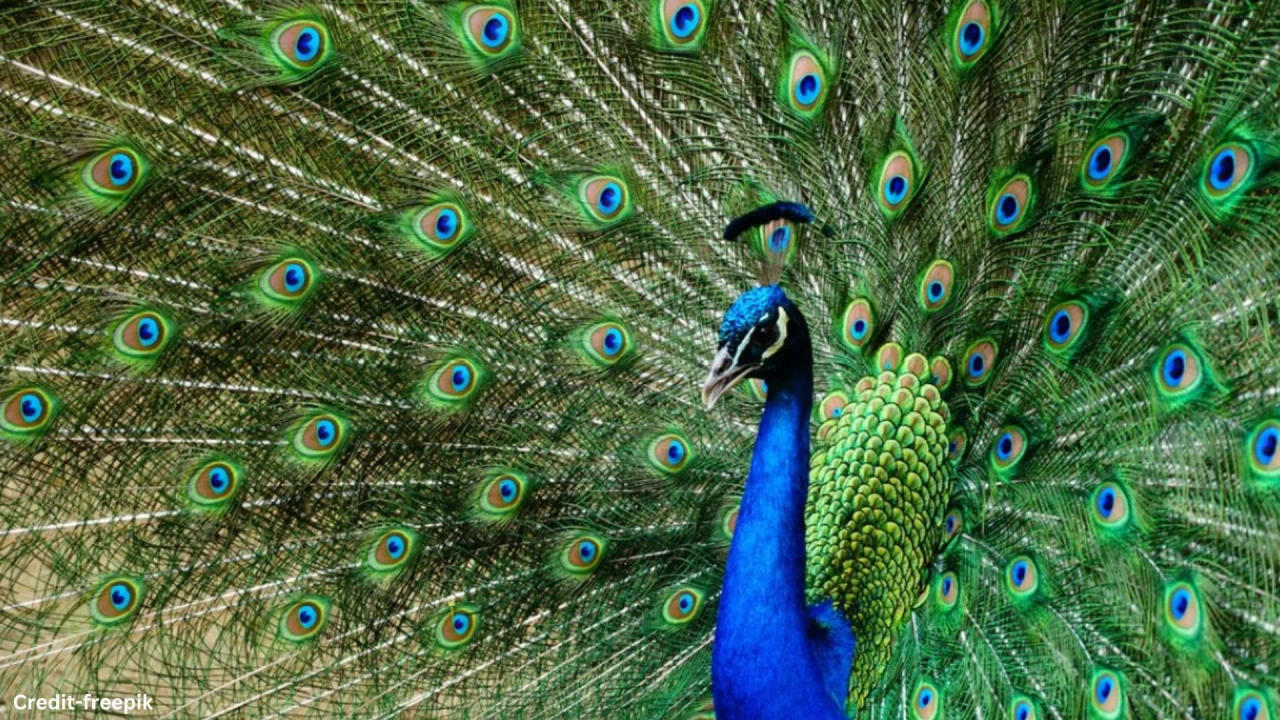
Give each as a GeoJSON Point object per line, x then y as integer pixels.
{"type": "Point", "coordinates": [454, 382]}
{"type": "Point", "coordinates": [141, 335]}
{"type": "Point", "coordinates": [926, 704]}
{"type": "Point", "coordinates": [1022, 709]}
{"type": "Point", "coordinates": [1228, 167]}
{"type": "Point", "coordinates": [806, 83]}
{"type": "Point", "coordinates": [952, 524]}
{"type": "Point", "coordinates": [303, 620]}
{"type": "Point", "coordinates": [1064, 326]}
{"type": "Point", "coordinates": [889, 357]}
{"type": "Point", "coordinates": [947, 589]}
{"type": "Point", "coordinates": [979, 359]}
{"type": "Point", "coordinates": [607, 343]}
{"type": "Point", "coordinates": [440, 228]}
{"type": "Point", "coordinates": [491, 30]}
{"type": "Point", "coordinates": [682, 606]}
{"type": "Point", "coordinates": [1251, 705]}
{"type": "Point", "coordinates": [1178, 371]}
{"type": "Point", "coordinates": [858, 324]}
{"type": "Point", "coordinates": [1022, 578]}
{"type": "Point", "coordinates": [1110, 505]}
{"type": "Point", "coordinates": [683, 24]}
{"type": "Point", "coordinates": [1104, 161]}
{"type": "Point", "coordinates": [669, 453]}
{"type": "Point", "coordinates": [117, 600]}
{"type": "Point", "coordinates": [1182, 610]}
{"type": "Point", "coordinates": [729, 522]}
{"type": "Point", "coordinates": [213, 484]}
{"type": "Point", "coordinates": [1008, 449]}
{"type": "Point", "coordinates": [776, 239]}
{"type": "Point", "coordinates": [972, 33]}
{"type": "Point", "coordinates": [1010, 206]}
{"type": "Point", "coordinates": [288, 283]}
{"type": "Point", "coordinates": [301, 44]}
{"type": "Point", "coordinates": [605, 198]}
{"type": "Point", "coordinates": [27, 411]}
{"type": "Point", "coordinates": [940, 372]}
{"type": "Point", "coordinates": [457, 627]}
{"type": "Point", "coordinates": [1263, 449]}
{"type": "Point", "coordinates": [897, 182]}
{"type": "Point", "coordinates": [956, 445]}
{"type": "Point", "coordinates": [583, 554]}
{"type": "Point", "coordinates": [833, 405]}
{"type": "Point", "coordinates": [115, 172]}
{"type": "Point", "coordinates": [391, 551]}
{"type": "Point", "coordinates": [320, 436]}
{"type": "Point", "coordinates": [1107, 696]}
{"type": "Point", "coordinates": [503, 492]}
{"type": "Point", "coordinates": [935, 286]}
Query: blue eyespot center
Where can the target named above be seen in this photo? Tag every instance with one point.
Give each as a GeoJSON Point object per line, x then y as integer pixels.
{"type": "Point", "coordinates": [610, 199]}
{"type": "Point", "coordinates": [1250, 709]}
{"type": "Point", "coordinates": [294, 277]}
{"type": "Point", "coordinates": [977, 365]}
{"type": "Point", "coordinates": [395, 546]}
{"type": "Point", "coordinates": [1179, 602]}
{"type": "Point", "coordinates": [1022, 712]}
{"type": "Point", "coordinates": [307, 616]}
{"type": "Point", "coordinates": [1264, 448]}
{"type": "Point", "coordinates": [1100, 163]}
{"type": "Point", "coordinates": [446, 224]}
{"type": "Point", "coordinates": [1007, 209]}
{"type": "Point", "coordinates": [779, 239]}
{"type": "Point", "coordinates": [586, 550]}
{"type": "Point", "coordinates": [1060, 328]}
{"type": "Point", "coordinates": [837, 412]}
{"type": "Point", "coordinates": [326, 432]}
{"type": "Point", "coordinates": [926, 697]}
{"type": "Point", "coordinates": [1223, 170]}
{"type": "Point", "coordinates": [32, 407]}
{"type": "Point", "coordinates": [219, 480]}
{"type": "Point", "coordinates": [686, 601]}
{"type": "Point", "coordinates": [1020, 572]}
{"type": "Point", "coordinates": [121, 169]}
{"type": "Point", "coordinates": [675, 451]}
{"type": "Point", "coordinates": [307, 45]}
{"type": "Point", "coordinates": [121, 596]}
{"type": "Point", "coordinates": [612, 341]}
{"type": "Point", "coordinates": [460, 378]}
{"type": "Point", "coordinates": [859, 329]}
{"type": "Point", "coordinates": [946, 586]}
{"type": "Point", "coordinates": [1103, 689]}
{"type": "Point", "coordinates": [685, 20]}
{"type": "Point", "coordinates": [148, 332]}
{"type": "Point", "coordinates": [971, 37]}
{"type": "Point", "coordinates": [935, 290]}
{"type": "Point", "coordinates": [896, 189]}
{"type": "Point", "coordinates": [461, 623]}
{"type": "Point", "coordinates": [1106, 502]}
{"type": "Point", "coordinates": [495, 31]}
{"type": "Point", "coordinates": [507, 489]}
{"type": "Point", "coordinates": [1005, 448]}
{"type": "Point", "coordinates": [808, 88]}
{"type": "Point", "coordinates": [1175, 368]}
{"type": "Point", "coordinates": [951, 448]}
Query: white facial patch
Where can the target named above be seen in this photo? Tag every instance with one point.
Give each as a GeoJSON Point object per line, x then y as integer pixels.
{"type": "Point", "coordinates": [781, 324]}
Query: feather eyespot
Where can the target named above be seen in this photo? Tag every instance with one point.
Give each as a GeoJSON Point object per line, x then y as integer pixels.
{"type": "Point", "coordinates": [1011, 205]}
{"type": "Point", "coordinates": [940, 373]}
{"type": "Point", "coordinates": [956, 444]}
{"type": "Point", "coordinates": [1022, 577]}
{"type": "Point", "coordinates": [607, 343]}
{"type": "Point", "coordinates": [935, 286]}
{"type": "Point", "coordinates": [1228, 167]}
{"type": "Point", "coordinates": [441, 228]}
{"type": "Point", "coordinates": [1106, 695]}
{"type": "Point", "coordinates": [1023, 708]}
{"type": "Point", "coordinates": [455, 382]}
{"type": "Point", "coordinates": [682, 606]}
{"type": "Point", "coordinates": [457, 626]}
{"type": "Point", "coordinates": [320, 436]}
{"type": "Point", "coordinates": [1178, 373]}
{"type": "Point", "coordinates": [1263, 449]}
{"type": "Point", "coordinates": [729, 522]}
{"type": "Point", "coordinates": [583, 554]}
{"type": "Point", "coordinates": [947, 590]}
{"type": "Point", "coordinates": [979, 360]}
{"type": "Point", "coordinates": [669, 453]}
{"type": "Point", "coordinates": [833, 405]}
{"type": "Point", "coordinates": [214, 484]}
{"type": "Point", "coordinates": [303, 620]}
{"type": "Point", "coordinates": [605, 198]}
{"type": "Point", "coordinates": [889, 357]}
{"type": "Point", "coordinates": [117, 600]}
{"type": "Point", "coordinates": [142, 335]}
{"type": "Point", "coordinates": [115, 173]}
{"type": "Point", "coordinates": [926, 703]}
{"type": "Point", "coordinates": [972, 33]}
{"type": "Point", "coordinates": [27, 412]}
{"type": "Point", "coordinates": [857, 325]}
{"type": "Point", "coordinates": [288, 283]}
{"type": "Point", "coordinates": [1110, 505]}
{"type": "Point", "coordinates": [491, 30]}
{"type": "Point", "coordinates": [776, 240]}
{"type": "Point", "coordinates": [503, 492]}
{"type": "Point", "coordinates": [759, 389]}
{"type": "Point", "coordinates": [952, 524]}
{"type": "Point", "coordinates": [1064, 327]}
{"type": "Point", "coordinates": [1182, 611]}
{"type": "Point", "coordinates": [302, 45]}
{"type": "Point", "coordinates": [1008, 449]}
{"type": "Point", "coordinates": [1251, 705]}
{"type": "Point", "coordinates": [682, 24]}
{"type": "Point", "coordinates": [391, 551]}
{"type": "Point", "coordinates": [897, 183]}
{"type": "Point", "coordinates": [1104, 161]}
{"type": "Point", "coordinates": [806, 86]}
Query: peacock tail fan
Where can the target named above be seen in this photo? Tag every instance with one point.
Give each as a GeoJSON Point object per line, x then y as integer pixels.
{"type": "Point", "coordinates": [350, 350]}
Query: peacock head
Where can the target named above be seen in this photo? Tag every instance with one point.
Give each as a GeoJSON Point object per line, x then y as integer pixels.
{"type": "Point", "coordinates": [759, 338]}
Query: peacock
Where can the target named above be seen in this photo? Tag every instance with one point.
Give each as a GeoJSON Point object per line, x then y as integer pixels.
{"type": "Point", "coordinates": [641, 358]}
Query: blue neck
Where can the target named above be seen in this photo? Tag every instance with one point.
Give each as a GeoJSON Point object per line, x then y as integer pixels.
{"type": "Point", "coordinates": [763, 663]}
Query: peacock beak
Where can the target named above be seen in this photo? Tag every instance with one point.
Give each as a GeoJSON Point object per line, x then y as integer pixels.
{"type": "Point", "coordinates": [723, 376]}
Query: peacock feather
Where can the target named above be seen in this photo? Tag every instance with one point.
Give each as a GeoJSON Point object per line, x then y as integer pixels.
{"type": "Point", "coordinates": [350, 358]}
